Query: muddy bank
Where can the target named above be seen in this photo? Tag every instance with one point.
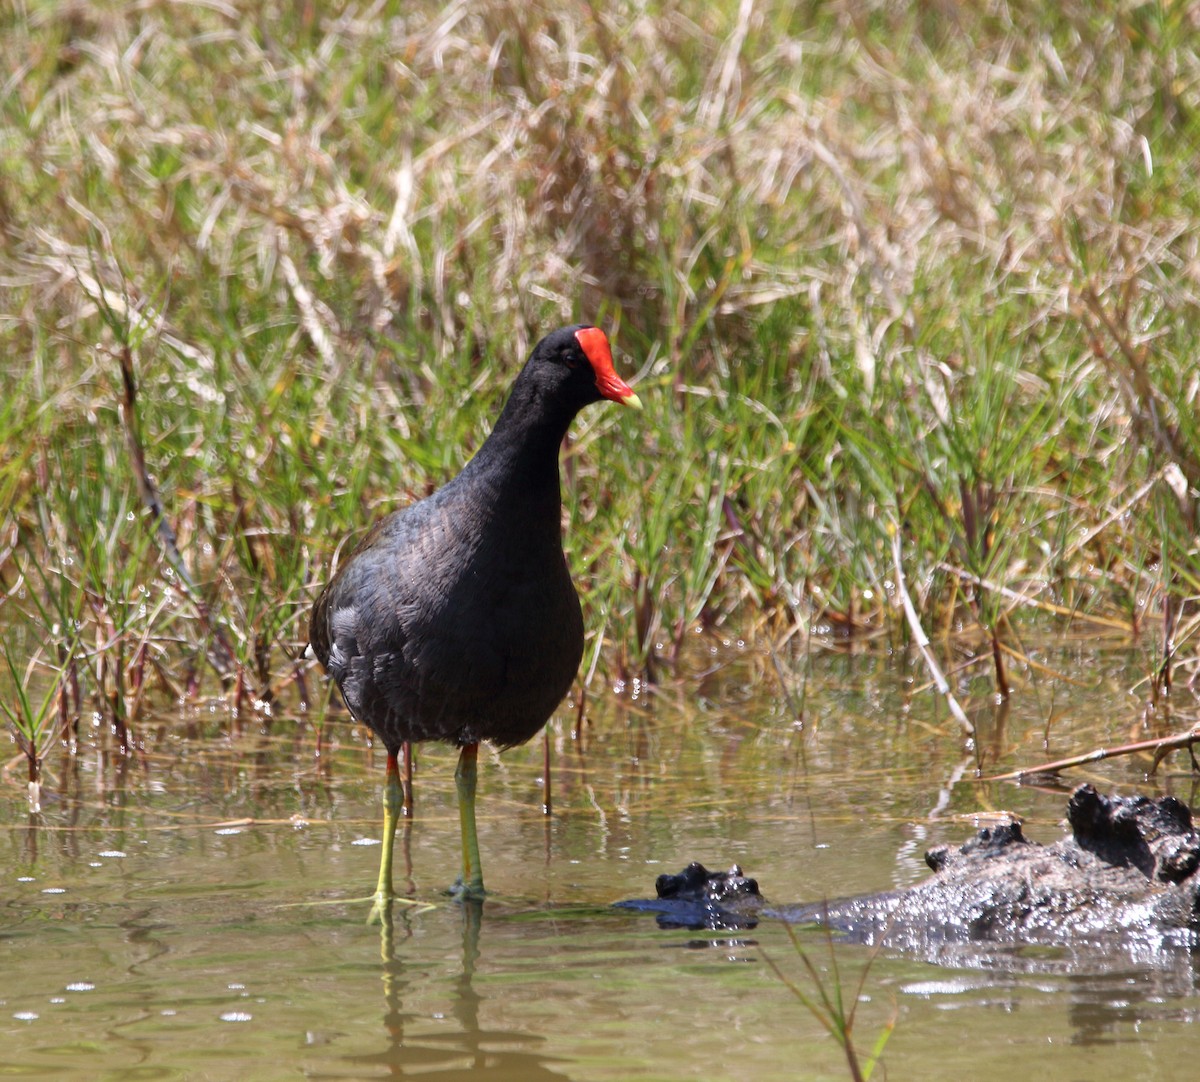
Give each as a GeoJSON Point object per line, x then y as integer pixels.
{"type": "Point", "coordinates": [1126, 875]}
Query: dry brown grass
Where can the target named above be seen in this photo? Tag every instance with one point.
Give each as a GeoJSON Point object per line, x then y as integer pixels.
{"type": "Point", "coordinates": [931, 270]}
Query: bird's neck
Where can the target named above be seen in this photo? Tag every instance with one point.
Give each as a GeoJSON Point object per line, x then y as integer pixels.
{"type": "Point", "coordinates": [520, 457]}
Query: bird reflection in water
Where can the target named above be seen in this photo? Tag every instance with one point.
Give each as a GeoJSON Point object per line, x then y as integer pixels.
{"type": "Point", "coordinates": [464, 1050]}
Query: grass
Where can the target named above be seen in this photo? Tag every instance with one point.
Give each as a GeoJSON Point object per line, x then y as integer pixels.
{"type": "Point", "coordinates": [833, 1006]}
{"type": "Point", "coordinates": [920, 269]}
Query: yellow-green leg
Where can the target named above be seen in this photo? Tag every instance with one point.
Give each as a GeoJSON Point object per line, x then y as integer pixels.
{"type": "Point", "coordinates": [471, 883]}
{"type": "Point", "coordinates": [393, 798]}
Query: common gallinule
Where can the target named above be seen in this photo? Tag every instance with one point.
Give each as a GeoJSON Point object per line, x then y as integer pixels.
{"type": "Point", "coordinates": [456, 619]}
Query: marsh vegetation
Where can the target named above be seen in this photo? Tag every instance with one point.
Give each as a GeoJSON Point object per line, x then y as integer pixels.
{"type": "Point", "coordinates": [911, 292]}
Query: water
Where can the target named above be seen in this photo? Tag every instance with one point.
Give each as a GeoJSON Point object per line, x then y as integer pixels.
{"type": "Point", "coordinates": [201, 912]}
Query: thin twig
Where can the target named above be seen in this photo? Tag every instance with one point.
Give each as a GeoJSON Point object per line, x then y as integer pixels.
{"type": "Point", "coordinates": [221, 651]}
{"type": "Point", "coordinates": [1033, 602]}
{"type": "Point", "coordinates": [922, 641]}
{"type": "Point", "coordinates": [1160, 747]}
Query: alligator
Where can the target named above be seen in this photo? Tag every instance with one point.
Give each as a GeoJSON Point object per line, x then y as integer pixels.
{"type": "Point", "coordinates": [1127, 874]}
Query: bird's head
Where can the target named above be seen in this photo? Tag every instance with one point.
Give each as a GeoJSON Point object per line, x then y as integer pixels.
{"type": "Point", "coordinates": [577, 362]}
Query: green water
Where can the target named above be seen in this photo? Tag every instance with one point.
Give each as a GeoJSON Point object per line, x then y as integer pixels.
{"type": "Point", "coordinates": [200, 912]}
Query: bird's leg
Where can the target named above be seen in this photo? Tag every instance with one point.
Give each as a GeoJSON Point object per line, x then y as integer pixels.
{"type": "Point", "coordinates": [407, 752]}
{"type": "Point", "coordinates": [471, 884]}
{"type": "Point", "coordinates": [392, 799]}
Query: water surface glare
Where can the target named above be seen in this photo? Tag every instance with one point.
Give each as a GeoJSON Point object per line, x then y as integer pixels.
{"type": "Point", "coordinates": [201, 912]}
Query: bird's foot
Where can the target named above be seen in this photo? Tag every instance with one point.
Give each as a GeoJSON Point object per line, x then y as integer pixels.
{"type": "Point", "coordinates": [382, 902]}
{"type": "Point", "coordinates": [468, 891]}
{"type": "Point", "coordinates": [381, 908]}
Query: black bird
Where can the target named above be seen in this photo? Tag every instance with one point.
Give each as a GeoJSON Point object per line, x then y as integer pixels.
{"type": "Point", "coordinates": [456, 619]}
